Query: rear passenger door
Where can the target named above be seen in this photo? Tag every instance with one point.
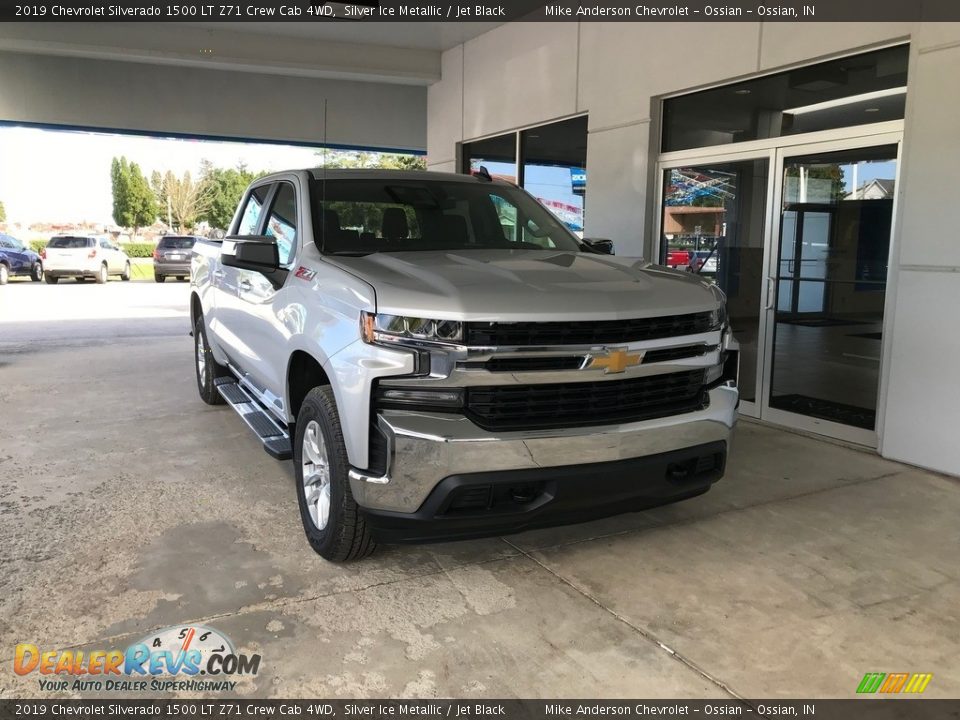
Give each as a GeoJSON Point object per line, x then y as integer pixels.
{"type": "Point", "coordinates": [105, 248]}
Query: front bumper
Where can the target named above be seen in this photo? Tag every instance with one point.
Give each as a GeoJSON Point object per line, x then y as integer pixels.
{"type": "Point", "coordinates": [424, 450]}
{"type": "Point", "coordinates": [502, 502]}
{"type": "Point", "coordinates": [172, 268]}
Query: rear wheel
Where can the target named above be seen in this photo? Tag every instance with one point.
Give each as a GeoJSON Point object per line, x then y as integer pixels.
{"type": "Point", "coordinates": [51, 279]}
{"type": "Point", "coordinates": [125, 275]}
{"type": "Point", "coordinates": [36, 272]}
{"type": "Point", "coordinates": [4, 274]}
{"type": "Point", "coordinates": [102, 274]}
{"type": "Point", "coordinates": [158, 277]}
{"type": "Point", "coordinates": [332, 521]}
{"type": "Point", "coordinates": [208, 369]}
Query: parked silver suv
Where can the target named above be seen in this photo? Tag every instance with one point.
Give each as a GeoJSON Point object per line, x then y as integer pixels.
{"type": "Point", "coordinates": [82, 257]}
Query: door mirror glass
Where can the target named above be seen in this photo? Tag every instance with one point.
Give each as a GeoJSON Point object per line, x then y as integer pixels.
{"type": "Point", "coordinates": [251, 252]}
{"type": "Point", "coordinates": [600, 245]}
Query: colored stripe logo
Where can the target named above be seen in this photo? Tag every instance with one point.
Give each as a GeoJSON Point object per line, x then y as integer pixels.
{"type": "Point", "coordinates": [914, 683]}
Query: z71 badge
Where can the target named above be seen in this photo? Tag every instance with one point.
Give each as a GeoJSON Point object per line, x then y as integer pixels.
{"type": "Point", "coordinates": [305, 273]}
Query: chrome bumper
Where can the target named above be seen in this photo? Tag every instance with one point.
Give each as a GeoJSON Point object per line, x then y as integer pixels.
{"type": "Point", "coordinates": [424, 448]}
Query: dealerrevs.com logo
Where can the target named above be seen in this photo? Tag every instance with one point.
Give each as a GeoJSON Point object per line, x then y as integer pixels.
{"type": "Point", "coordinates": [180, 658]}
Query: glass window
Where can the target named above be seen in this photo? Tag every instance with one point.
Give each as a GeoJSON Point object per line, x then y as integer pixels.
{"type": "Point", "coordinates": [70, 242]}
{"type": "Point", "coordinates": [366, 216]}
{"type": "Point", "coordinates": [282, 222]}
{"type": "Point", "coordinates": [498, 155]}
{"type": "Point", "coordinates": [849, 91]}
{"type": "Point", "coordinates": [554, 168]}
{"type": "Point", "coordinates": [713, 223]}
{"type": "Point", "coordinates": [177, 243]}
{"type": "Point", "coordinates": [250, 220]}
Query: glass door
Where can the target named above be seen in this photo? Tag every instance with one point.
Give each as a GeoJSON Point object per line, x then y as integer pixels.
{"type": "Point", "coordinates": [714, 221]}
{"type": "Point", "coordinates": [828, 276]}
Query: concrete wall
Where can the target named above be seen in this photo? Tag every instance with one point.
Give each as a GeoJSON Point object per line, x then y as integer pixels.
{"type": "Point", "coordinates": [167, 98]}
{"type": "Point", "coordinates": [526, 74]}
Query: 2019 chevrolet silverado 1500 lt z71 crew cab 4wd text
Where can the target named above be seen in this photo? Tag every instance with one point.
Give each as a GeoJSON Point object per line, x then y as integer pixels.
{"type": "Point", "coordinates": [443, 359]}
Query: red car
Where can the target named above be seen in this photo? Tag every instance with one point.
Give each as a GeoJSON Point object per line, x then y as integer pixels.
{"type": "Point", "coordinates": [678, 258]}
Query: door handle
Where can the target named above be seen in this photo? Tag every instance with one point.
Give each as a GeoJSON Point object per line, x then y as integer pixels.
{"type": "Point", "coordinates": [771, 284]}
{"type": "Point", "coordinates": [246, 285]}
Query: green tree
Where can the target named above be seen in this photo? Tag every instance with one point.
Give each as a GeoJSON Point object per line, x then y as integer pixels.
{"type": "Point", "coordinates": [224, 188]}
{"type": "Point", "coordinates": [134, 203]}
{"type": "Point", "coordinates": [365, 159]}
{"type": "Point", "coordinates": [3, 213]}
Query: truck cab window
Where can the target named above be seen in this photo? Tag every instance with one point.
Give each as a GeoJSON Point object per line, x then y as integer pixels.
{"type": "Point", "coordinates": [250, 220]}
{"type": "Point", "coordinates": [282, 222]}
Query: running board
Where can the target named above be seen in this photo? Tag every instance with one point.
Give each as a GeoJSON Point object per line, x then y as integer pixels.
{"type": "Point", "coordinates": [276, 440]}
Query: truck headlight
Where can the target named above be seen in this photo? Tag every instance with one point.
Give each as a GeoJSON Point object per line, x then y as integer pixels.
{"type": "Point", "coordinates": [404, 330]}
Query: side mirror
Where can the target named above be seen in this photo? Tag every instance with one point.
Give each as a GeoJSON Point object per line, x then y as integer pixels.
{"type": "Point", "coordinates": [251, 252]}
{"type": "Point", "coordinates": [602, 246]}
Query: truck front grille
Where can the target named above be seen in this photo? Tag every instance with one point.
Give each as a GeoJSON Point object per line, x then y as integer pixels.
{"type": "Point", "coordinates": [534, 407]}
{"type": "Point", "coordinates": [525, 334]}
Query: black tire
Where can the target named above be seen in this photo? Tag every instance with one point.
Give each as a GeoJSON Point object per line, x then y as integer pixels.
{"type": "Point", "coordinates": [51, 279]}
{"type": "Point", "coordinates": [345, 535]}
{"type": "Point", "coordinates": [211, 368]}
{"type": "Point", "coordinates": [102, 275]}
{"type": "Point", "coordinates": [181, 278]}
{"type": "Point", "coordinates": [157, 277]}
{"type": "Point", "coordinates": [125, 275]}
{"type": "Point", "coordinates": [36, 272]}
{"type": "Point", "coordinates": [4, 274]}
{"type": "Point", "coordinates": [81, 279]}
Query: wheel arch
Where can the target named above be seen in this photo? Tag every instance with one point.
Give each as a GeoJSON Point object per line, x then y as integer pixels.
{"type": "Point", "coordinates": [304, 372]}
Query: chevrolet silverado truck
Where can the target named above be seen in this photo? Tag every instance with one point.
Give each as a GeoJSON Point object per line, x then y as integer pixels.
{"type": "Point", "coordinates": [443, 359]}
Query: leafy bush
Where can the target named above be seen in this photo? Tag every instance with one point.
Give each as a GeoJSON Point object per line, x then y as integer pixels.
{"type": "Point", "coordinates": [139, 250]}
{"type": "Point", "coordinates": [37, 245]}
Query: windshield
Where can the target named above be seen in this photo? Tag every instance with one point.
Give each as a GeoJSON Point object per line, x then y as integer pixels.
{"type": "Point", "coordinates": [177, 243]}
{"type": "Point", "coordinates": [70, 242]}
{"type": "Point", "coordinates": [364, 216]}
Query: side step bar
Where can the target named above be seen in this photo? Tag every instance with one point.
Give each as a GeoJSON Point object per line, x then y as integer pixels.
{"type": "Point", "coordinates": [275, 439]}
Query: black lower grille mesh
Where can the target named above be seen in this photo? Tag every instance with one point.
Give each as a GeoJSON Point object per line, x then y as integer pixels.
{"type": "Point", "coordinates": [523, 407]}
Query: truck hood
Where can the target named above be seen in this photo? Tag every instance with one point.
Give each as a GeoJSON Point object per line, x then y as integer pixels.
{"type": "Point", "coordinates": [504, 285]}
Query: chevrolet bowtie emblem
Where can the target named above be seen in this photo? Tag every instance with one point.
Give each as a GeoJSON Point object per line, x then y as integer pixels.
{"type": "Point", "coordinates": [616, 361]}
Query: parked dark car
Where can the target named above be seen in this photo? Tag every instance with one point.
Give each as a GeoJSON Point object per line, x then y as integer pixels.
{"type": "Point", "coordinates": [172, 257]}
{"type": "Point", "coordinates": [17, 259]}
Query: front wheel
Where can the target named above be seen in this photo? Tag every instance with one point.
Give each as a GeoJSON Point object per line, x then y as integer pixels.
{"type": "Point", "coordinates": [208, 369]}
{"type": "Point", "coordinates": [36, 272]}
{"type": "Point", "coordinates": [332, 521]}
{"type": "Point", "coordinates": [125, 275]}
{"type": "Point", "coordinates": [101, 275]}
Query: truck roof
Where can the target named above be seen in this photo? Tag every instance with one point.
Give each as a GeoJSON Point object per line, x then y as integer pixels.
{"type": "Point", "coordinates": [372, 174]}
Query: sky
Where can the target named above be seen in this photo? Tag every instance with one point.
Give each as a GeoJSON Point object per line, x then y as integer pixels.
{"type": "Point", "coordinates": [61, 176]}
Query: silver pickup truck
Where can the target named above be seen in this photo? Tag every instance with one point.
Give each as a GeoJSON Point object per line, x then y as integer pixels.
{"type": "Point", "coordinates": [443, 359]}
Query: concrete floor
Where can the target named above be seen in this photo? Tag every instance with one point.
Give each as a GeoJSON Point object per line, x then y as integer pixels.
{"type": "Point", "coordinates": [126, 505]}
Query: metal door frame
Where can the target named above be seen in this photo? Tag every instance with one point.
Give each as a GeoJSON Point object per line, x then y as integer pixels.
{"type": "Point", "coordinates": [807, 423]}
{"type": "Point", "coordinates": [774, 150]}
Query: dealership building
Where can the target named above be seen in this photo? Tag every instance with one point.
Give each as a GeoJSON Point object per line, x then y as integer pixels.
{"type": "Point", "coordinates": [803, 166]}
